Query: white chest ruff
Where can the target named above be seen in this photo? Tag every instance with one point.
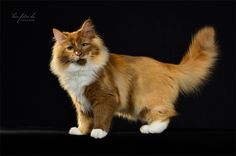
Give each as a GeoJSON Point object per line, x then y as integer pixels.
{"type": "Point", "coordinates": [76, 78]}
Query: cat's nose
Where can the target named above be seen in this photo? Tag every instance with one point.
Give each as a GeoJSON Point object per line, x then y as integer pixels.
{"type": "Point", "coordinates": [78, 53]}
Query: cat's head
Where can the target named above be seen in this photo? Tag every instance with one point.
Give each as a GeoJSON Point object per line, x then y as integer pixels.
{"type": "Point", "coordinates": [79, 49]}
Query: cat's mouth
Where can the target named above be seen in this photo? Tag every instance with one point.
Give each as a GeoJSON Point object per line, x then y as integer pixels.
{"type": "Point", "coordinates": [81, 61]}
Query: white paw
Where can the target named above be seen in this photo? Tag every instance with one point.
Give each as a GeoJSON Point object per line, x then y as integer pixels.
{"type": "Point", "coordinates": [98, 133]}
{"type": "Point", "coordinates": [155, 127]}
{"type": "Point", "coordinates": [145, 129]}
{"type": "Point", "coordinates": [75, 131]}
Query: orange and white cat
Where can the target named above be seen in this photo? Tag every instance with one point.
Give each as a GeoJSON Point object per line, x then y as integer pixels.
{"type": "Point", "coordinates": [102, 84]}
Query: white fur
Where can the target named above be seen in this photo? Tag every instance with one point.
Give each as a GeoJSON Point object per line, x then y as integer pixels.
{"type": "Point", "coordinates": [98, 133]}
{"type": "Point", "coordinates": [155, 127]}
{"type": "Point", "coordinates": [75, 131]}
{"type": "Point", "coordinates": [76, 77]}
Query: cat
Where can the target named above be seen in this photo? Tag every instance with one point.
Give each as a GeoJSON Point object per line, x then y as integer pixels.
{"type": "Point", "coordinates": [103, 84]}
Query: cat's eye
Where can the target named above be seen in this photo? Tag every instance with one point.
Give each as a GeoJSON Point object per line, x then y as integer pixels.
{"type": "Point", "coordinates": [84, 44]}
{"type": "Point", "coordinates": [69, 48]}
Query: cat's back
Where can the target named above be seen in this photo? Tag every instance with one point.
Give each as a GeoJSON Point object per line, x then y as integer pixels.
{"type": "Point", "coordinates": [135, 63]}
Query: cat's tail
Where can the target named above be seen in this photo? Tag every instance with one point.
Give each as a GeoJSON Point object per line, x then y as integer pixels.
{"type": "Point", "coordinates": [197, 64]}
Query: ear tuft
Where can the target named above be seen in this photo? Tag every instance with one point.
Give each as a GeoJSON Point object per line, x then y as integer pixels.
{"type": "Point", "coordinates": [88, 29]}
{"type": "Point", "coordinates": [59, 36]}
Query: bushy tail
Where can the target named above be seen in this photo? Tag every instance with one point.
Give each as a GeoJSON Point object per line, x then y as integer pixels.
{"type": "Point", "coordinates": [197, 64]}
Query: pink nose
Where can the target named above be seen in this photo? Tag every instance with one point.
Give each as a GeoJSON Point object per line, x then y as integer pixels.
{"type": "Point", "coordinates": [78, 53]}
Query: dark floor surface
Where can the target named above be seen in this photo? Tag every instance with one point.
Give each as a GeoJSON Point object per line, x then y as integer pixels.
{"type": "Point", "coordinates": [171, 142]}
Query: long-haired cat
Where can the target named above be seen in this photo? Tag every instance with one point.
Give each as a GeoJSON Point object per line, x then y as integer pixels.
{"type": "Point", "coordinates": [102, 84]}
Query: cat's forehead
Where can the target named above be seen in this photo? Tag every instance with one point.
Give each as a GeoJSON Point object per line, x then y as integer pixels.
{"type": "Point", "coordinates": [76, 36]}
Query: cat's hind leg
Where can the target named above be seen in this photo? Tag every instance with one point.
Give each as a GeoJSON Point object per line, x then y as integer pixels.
{"type": "Point", "coordinates": [155, 127]}
{"type": "Point", "coordinates": [158, 119]}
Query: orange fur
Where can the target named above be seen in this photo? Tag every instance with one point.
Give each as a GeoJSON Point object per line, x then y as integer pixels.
{"type": "Point", "coordinates": [137, 88]}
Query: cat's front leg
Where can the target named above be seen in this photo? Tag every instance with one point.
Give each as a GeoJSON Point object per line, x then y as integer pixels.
{"type": "Point", "coordinates": [85, 124]}
{"type": "Point", "coordinates": [103, 114]}
{"type": "Point", "coordinates": [84, 120]}
{"type": "Point", "coordinates": [75, 131]}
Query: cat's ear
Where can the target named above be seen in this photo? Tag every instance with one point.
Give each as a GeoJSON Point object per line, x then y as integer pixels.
{"type": "Point", "coordinates": [58, 35]}
{"type": "Point", "coordinates": [87, 29]}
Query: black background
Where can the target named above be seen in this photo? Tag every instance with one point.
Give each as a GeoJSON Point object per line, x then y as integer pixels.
{"type": "Point", "coordinates": [31, 97]}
